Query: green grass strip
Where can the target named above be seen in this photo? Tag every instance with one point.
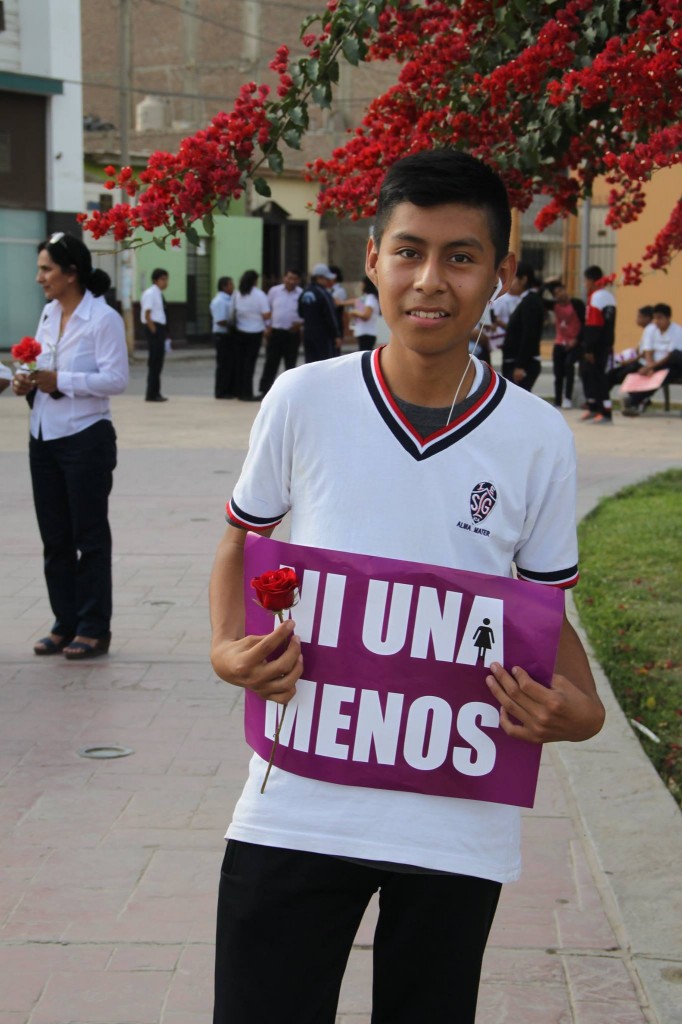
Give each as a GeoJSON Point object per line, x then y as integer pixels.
{"type": "Point", "coordinates": [630, 603]}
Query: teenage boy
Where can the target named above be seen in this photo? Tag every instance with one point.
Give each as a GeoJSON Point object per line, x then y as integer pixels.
{"type": "Point", "coordinates": [598, 335]}
{"type": "Point", "coordinates": [377, 453]}
{"type": "Point", "coordinates": [153, 316]}
{"type": "Point", "coordinates": [663, 351]}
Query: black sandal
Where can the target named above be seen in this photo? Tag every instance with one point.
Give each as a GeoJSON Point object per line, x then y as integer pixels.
{"type": "Point", "coordinates": [80, 651]}
{"type": "Point", "coordinates": [49, 646]}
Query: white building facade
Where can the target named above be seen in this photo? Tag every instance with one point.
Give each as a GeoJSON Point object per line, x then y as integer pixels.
{"type": "Point", "coordinates": [41, 146]}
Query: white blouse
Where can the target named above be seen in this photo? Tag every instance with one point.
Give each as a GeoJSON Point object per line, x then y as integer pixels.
{"type": "Point", "coordinates": [91, 360]}
{"type": "Point", "coordinates": [252, 309]}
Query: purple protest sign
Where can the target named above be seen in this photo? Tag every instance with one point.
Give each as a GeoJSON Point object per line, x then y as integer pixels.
{"type": "Point", "coordinates": [393, 692]}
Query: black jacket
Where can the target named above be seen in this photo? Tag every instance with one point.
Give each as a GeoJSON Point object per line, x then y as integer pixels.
{"type": "Point", "coordinates": [524, 331]}
{"type": "Point", "coordinates": [318, 313]}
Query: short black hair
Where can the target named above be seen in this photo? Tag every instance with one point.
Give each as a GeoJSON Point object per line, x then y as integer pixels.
{"type": "Point", "coordinates": [525, 269]}
{"type": "Point", "coordinates": [646, 311]}
{"type": "Point", "coordinates": [369, 287]}
{"type": "Point", "coordinates": [593, 273]}
{"type": "Point", "coordinates": [553, 286]}
{"type": "Point", "coordinates": [222, 281]}
{"type": "Point", "coordinates": [159, 272]}
{"type": "Point", "coordinates": [438, 176]}
{"type": "Point", "coordinates": [663, 309]}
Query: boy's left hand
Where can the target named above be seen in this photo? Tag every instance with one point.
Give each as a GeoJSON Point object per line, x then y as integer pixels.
{"type": "Point", "coordinates": [538, 714]}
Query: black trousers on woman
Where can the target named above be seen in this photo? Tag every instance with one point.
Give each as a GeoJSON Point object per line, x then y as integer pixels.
{"type": "Point", "coordinates": [72, 478]}
{"type": "Point", "coordinates": [248, 346]}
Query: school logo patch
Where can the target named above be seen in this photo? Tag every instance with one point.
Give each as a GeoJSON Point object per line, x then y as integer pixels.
{"type": "Point", "coordinates": [482, 501]}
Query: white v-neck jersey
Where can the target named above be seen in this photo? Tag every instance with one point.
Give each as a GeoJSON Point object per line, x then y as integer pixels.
{"type": "Point", "coordinates": [494, 487]}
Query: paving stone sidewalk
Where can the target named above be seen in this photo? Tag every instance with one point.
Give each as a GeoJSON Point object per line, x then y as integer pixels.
{"type": "Point", "coordinates": [109, 868]}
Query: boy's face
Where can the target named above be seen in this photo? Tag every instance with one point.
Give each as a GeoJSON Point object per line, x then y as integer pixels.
{"type": "Point", "coordinates": [435, 271]}
{"type": "Point", "coordinates": [662, 321]}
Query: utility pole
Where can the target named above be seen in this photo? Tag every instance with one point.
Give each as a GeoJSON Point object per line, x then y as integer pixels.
{"type": "Point", "coordinates": [585, 218]}
{"type": "Point", "coordinates": [125, 258]}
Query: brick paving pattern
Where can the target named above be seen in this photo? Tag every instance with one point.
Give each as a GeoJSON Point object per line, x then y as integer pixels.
{"type": "Point", "coordinates": [109, 868]}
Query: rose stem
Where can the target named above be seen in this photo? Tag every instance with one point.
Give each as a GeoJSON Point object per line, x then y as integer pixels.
{"type": "Point", "coordinates": [274, 748]}
{"type": "Point", "coordinates": [275, 740]}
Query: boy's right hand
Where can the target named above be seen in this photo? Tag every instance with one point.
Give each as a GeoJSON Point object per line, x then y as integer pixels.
{"type": "Point", "coordinates": [243, 663]}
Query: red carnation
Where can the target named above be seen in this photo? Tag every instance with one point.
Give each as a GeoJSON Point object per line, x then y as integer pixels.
{"type": "Point", "coordinates": [26, 352]}
{"type": "Point", "coordinates": [277, 590]}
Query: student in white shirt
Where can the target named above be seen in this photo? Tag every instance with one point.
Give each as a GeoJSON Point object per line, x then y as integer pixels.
{"type": "Point", "coordinates": [72, 447]}
{"type": "Point", "coordinates": [153, 316]}
{"type": "Point", "coordinates": [283, 332]}
{"type": "Point", "coordinates": [251, 312]}
{"type": "Point", "coordinates": [364, 316]}
{"type": "Point", "coordinates": [377, 453]}
{"type": "Point", "coordinates": [662, 351]}
{"type": "Point", "coordinates": [221, 308]}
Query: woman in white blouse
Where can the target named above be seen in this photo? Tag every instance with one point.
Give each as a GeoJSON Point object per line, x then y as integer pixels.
{"type": "Point", "coordinates": [251, 310]}
{"type": "Point", "coordinates": [72, 445]}
{"type": "Point", "coordinates": [364, 314]}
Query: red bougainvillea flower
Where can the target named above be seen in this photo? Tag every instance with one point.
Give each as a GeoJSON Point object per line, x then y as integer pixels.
{"type": "Point", "coordinates": [277, 590]}
{"type": "Point", "coordinates": [27, 351]}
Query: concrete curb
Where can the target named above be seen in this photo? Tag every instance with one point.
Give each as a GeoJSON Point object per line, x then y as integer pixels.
{"type": "Point", "coordinates": [633, 829]}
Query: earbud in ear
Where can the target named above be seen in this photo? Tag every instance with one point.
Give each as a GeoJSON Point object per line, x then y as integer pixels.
{"type": "Point", "coordinates": [498, 289]}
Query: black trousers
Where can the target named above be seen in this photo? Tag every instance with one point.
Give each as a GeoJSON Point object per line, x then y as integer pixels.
{"type": "Point", "coordinates": [286, 924]}
{"type": "Point", "coordinates": [563, 361]}
{"type": "Point", "coordinates": [366, 342]}
{"type": "Point", "coordinates": [532, 372]}
{"type": "Point", "coordinates": [72, 479]}
{"type": "Point", "coordinates": [595, 381]}
{"type": "Point", "coordinates": [225, 365]}
{"type": "Point", "coordinates": [317, 347]}
{"type": "Point", "coordinates": [282, 346]}
{"type": "Point", "coordinates": [247, 346]}
{"type": "Point", "coordinates": [156, 343]}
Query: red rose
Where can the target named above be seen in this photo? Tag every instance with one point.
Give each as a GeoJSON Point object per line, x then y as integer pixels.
{"type": "Point", "coordinates": [276, 590]}
{"type": "Point", "coordinates": [27, 351]}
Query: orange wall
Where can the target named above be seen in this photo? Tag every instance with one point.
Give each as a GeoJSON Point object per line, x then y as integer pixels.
{"type": "Point", "coordinates": [632, 240]}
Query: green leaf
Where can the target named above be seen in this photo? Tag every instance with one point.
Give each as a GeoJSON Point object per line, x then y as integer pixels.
{"type": "Point", "coordinates": [322, 95]}
{"type": "Point", "coordinates": [262, 188]}
{"type": "Point", "coordinates": [292, 138]}
{"type": "Point", "coordinates": [276, 162]}
{"type": "Point", "coordinates": [299, 116]}
{"type": "Point", "coordinates": [207, 221]}
{"type": "Point", "coordinates": [161, 242]}
{"type": "Point", "coordinates": [333, 71]}
{"type": "Point", "coordinates": [311, 69]}
{"type": "Point", "coordinates": [192, 236]}
{"type": "Point", "coordinates": [351, 50]}
{"type": "Point", "coordinates": [223, 205]}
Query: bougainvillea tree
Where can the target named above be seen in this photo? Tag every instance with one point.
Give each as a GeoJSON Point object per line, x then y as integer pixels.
{"type": "Point", "coordinates": [553, 94]}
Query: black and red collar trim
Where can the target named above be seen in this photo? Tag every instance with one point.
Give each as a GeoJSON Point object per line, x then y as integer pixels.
{"type": "Point", "coordinates": [424, 447]}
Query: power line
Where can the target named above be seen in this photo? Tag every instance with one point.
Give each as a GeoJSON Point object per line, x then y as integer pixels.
{"type": "Point", "coordinates": [221, 23]}
{"type": "Point", "coordinates": [222, 98]}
